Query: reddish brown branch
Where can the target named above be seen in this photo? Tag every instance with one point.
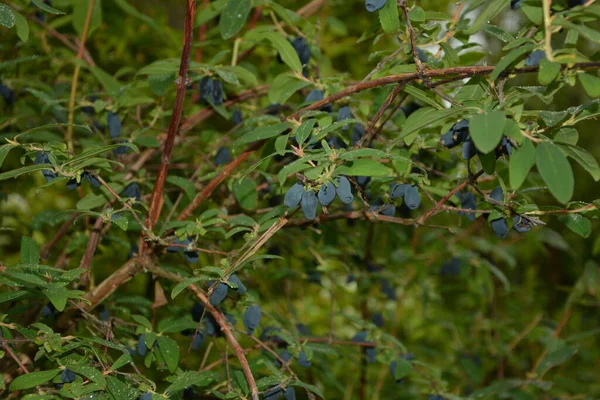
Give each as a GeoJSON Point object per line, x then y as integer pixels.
{"type": "Point", "coordinates": [156, 201]}
{"type": "Point", "coordinates": [62, 231]}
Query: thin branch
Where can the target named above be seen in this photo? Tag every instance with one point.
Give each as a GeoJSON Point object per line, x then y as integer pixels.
{"type": "Point", "coordinates": [156, 201]}
{"type": "Point", "coordinates": [371, 128]}
{"type": "Point", "coordinates": [62, 231]}
{"type": "Point", "coordinates": [75, 80]}
{"type": "Point", "coordinates": [15, 358]}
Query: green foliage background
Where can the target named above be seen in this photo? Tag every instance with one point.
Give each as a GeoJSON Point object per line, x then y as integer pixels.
{"type": "Point", "coordinates": [520, 321]}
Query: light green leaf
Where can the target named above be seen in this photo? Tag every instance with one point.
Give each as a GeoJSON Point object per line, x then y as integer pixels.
{"type": "Point", "coordinates": [363, 167]}
{"type": "Point", "coordinates": [170, 352]}
{"type": "Point", "coordinates": [557, 357]}
{"type": "Point", "coordinates": [32, 379]}
{"type": "Point", "coordinates": [591, 34]}
{"type": "Point", "coordinates": [181, 286]}
{"type": "Point", "coordinates": [234, 17]}
{"type": "Point", "coordinates": [30, 252]}
{"type": "Point", "coordinates": [303, 132]}
{"type": "Point", "coordinates": [22, 26]}
{"type": "Point", "coordinates": [591, 84]}
{"type": "Point", "coordinates": [189, 378]}
{"type": "Point", "coordinates": [121, 361]}
{"type": "Point", "coordinates": [508, 59]}
{"type": "Point", "coordinates": [110, 84]}
{"type": "Point", "coordinates": [262, 133]}
{"type": "Point", "coordinates": [388, 15]}
{"type": "Point", "coordinates": [548, 71]}
{"type": "Point", "coordinates": [4, 149]}
{"type": "Point", "coordinates": [57, 294]}
{"type": "Point", "coordinates": [129, 9]}
{"type": "Point", "coordinates": [20, 171]}
{"type": "Point", "coordinates": [285, 48]}
{"type": "Point", "coordinates": [521, 161]}
{"type": "Point", "coordinates": [184, 183]}
{"type": "Point", "coordinates": [555, 171]}
{"type": "Point", "coordinates": [491, 10]}
{"type": "Point", "coordinates": [423, 118]}
{"type": "Point", "coordinates": [46, 7]}
{"type": "Point", "coordinates": [245, 193]}
{"type": "Point", "coordinates": [80, 10]}
{"type": "Point", "coordinates": [577, 223]}
{"type": "Point", "coordinates": [284, 86]}
{"type": "Point", "coordinates": [9, 296]}
{"type": "Point", "coordinates": [486, 130]}
{"type": "Point", "coordinates": [403, 367]}
{"type": "Point", "coordinates": [585, 159]}
{"type": "Point", "coordinates": [7, 17]}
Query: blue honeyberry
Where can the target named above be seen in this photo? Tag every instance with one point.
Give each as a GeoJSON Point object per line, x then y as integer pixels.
{"type": "Point", "coordinates": [197, 311]}
{"type": "Point", "coordinates": [191, 256]}
{"type": "Point", "coordinates": [92, 179]}
{"type": "Point", "coordinates": [237, 117]}
{"type": "Point", "coordinates": [309, 204]}
{"type": "Point", "coordinates": [303, 360]}
{"type": "Point", "coordinates": [497, 194]}
{"type": "Point", "coordinates": [142, 349]}
{"type": "Point", "coordinates": [72, 184]}
{"type": "Point", "coordinates": [303, 330]}
{"type": "Point", "coordinates": [272, 394]}
{"type": "Point", "coordinates": [574, 3]}
{"type": "Point", "coordinates": [7, 94]}
{"type": "Point", "coordinates": [104, 314]}
{"type": "Point", "coordinates": [435, 397]}
{"type": "Point", "coordinates": [533, 59]}
{"type": "Point", "coordinates": [409, 108]}
{"type": "Point", "coordinates": [314, 95]}
{"type": "Point", "coordinates": [344, 190]}
{"type": "Point", "coordinates": [362, 181]}
{"type": "Point", "coordinates": [67, 376]}
{"type": "Point", "coordinates": [198, 340]}
{"type": "Point", "coordinates": [302, 49]}
{"type": "Point", "coordinates": [515, 4]}
{"type": "Point", "coordinates": [522, 224]}
{"type": "Point", "coordinates": [122, 149]}
{"type": "Point", "coordinates": [377, 319]}
{"type": "Point", "coordinates": [285, 355]}
{"type": "Point", "coordinates": [327, 193]}
{"type": "Point", "coordinates": [132, 191]}
{"type": "Point", "coordinates": [450, 267]}
{"type": "Point", "coordinates": [371, 353]}
{"type": "Point", "coordinates": [468, 149]}
{"type": "Point", "coordinates": [500, 227]}
{"type": "Point", "coordinates": [252, 318]}
{"type": "Point", "coordinates": [223, 156]}
{"type": "Point", "coordinates": [388, 289]}
{"type": "Point", "coordinates": [389, 210]}
{"type": "Point", "coordinates": [336, 143]}
{"type": "Point", "coordinates": [178, 249]}
{"type": "Point", "coordinates": [359, 337]}
{"type": "Point", "coordinates": [374, 5]}
{"type": "Point", "coordinates": [273, 109]}
{"type": "Point", "coordinates": [412, 198]}
{"type": "Point", "coordinates": [294, 195]}
{"type": "Point", "coordinates": [219, 294]}
{"type": "Point", "coordinates": [457, 134]}
{"type": "Point", "coordinates": [43, 158]}
{"type": "Point", "coordinates": [146, 396]}
{"type": "Point", "coordinates": [216, 96]}
{"type": "Point", "coordinates": [423, 57]}
{"type": "Point", "coordinates": [289, 393]}
{"type": "Point", "coordinates": [468, 202]}
{"type": "Point", "coordinates": [241, 289]}
{"type": "Point", "coordinates": [206, 89]}
{"type": "Point", "coordinates": [344, 113]}
{"type": "Point", "coordinates": [504, 148]}
{"type": "Point", "coordinates": [188, 393]}
{"type": "Point", "coordinates": [398, 190]}
{"type": "Point", "coordinates": [358, 131]}
{"type": "Point", "coordinates": [113, 121]}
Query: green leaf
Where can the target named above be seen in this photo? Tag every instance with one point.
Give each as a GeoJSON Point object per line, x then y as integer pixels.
{"type": "Point", "coordinates": [555, 171]}
{"type": "Point", "coordinates": [22, 26]}
{"type": "Point", "coordinates": [7, 17]}
{"type": "Point", "coordinates": [46, 7]}
{"type": "Point", "coordinates": [508, 59]}
{"type": "Point", "coordinates": [423, 118]}
{"type": "Point", "coordinates": [170, 351]}
{"type": "Point", "coordinates": [363, 167]}
{"type": "Point", "coordinates": [425, 97]}
{"type": "Point", "coordinates": [129, 9]}
{"type": "Point", "coordinates": [32, 379]}
{"type": "Point", "coordinates": [499, 33]}
{"type": "Point", "coordinates": [557, 357]}
{"type": "Point", "coordinates": [185, 184]}
{"type": "Point", "coordinates": [577, 223]}
{"type": "Point", "coordinates": [262, 133]}
{"type": "Point", "coordinates": [120, 390]}
{"type": "Point", "coordinates": [57, 294]}
{"type": "Point", "coordinates": [388, 15]}
{"type": "Point", "coordinates": [91, 373]}
{"type": "Point", "coordinates": [585, 159]}
{"type": "Point", "coordinates": [181, 286]}
{"type": "Point", "coordinates": [9, 296]}
{"type": "Point", "coordinates": [245, 193]}
{"type": "Point", "coordinates": [493, 8]}
{"type": "Point", "coordinates": [121, 361]}
{"type": "Point", "coordinates": [583, 30]}
{"type": "Point", "coordinates": [4, 149]}
{"type": "Point", "coordinates": [285, 48]}
{"type": "Point", "coordinates": [284, 86]}
{"type": "Point", "coordinates": [30, 252]}
{"type": "Point", "coordinates": [234, 17]}
{"type": "Point", "coordinates": [189, 378]}
{"type": "Point", "coordinates": [80, 10]}
{"type": "Point", "coordinates": [521, 161]}
{"type": "Point", "coordinates": [568, 135]}
{"type": "Point", "coordinates": [591, 84]}
{"type": "Point", "coordinates": [403, 367]}
{"type": "Point", "coordinates": [486, 130]}
{"type": "Point", "coordinates": [140, 319]}
{"type": "Point", "coordinates": [303, 132]}
{"type": "Point", "coordinates": [417, 14]}
{"type": "Point", "coordinates": [108, 82]}
{"type": "Point", "coordinates": [281, 144]}
{"type": "Point", "coordinates": [548, 71]}
{"type": "Point", "coordinates": [171, 325]}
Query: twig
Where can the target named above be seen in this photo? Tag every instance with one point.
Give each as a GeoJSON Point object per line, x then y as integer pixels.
{"type": "Point", "coordinates": [74, 81]}
{"type": "Point", "coordinates": [14, 357]}
{"type": "Point", "coordinates": [371, 128]}
{"type": "Point", "coordinates": [156, 201]}
{"type": "Point", "coordinates": [62, 231]}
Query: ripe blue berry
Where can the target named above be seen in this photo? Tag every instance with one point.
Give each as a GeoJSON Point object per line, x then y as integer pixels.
{"type": "Point", "coordinates": [67, 376]}
{"type": "Point", "coordinates": [132, 191]}
{"type": "Point", "coordinates": [309, 204]}
{"type": "Point", "coordinates": [468, 202]}
{"type": "Point", "coordinates": [142, 349]}
{"type": "Point", "coordinates": [533, 59]}
{"type": "Point", "coordinates": [500, 227]}
{"type": "Point", "coordinates": [497, 194]}
{"type": "Point", "coordinates": [223, 156]}
{"type": "Point", "coordinates": [412, 198]}
{"type": "Point", "coordinates": [236, 116]}
{"type": "Point", "coordinates": [326, 193]}
{"type": "Point", "coordinates": [344, 190]}
{"type": "Point", "coordinates": [303, 361]}
{"type": "Point", "coordinates": [240, 286]}
{"type": "Point", "coordinates": [252, 318]}
{"type": "Point", "coordinates": [522, 224]}
{"type": "Point", "coordinates": [398, 190]}
{"type": "Point", "coordinates": [374, 5]}
{"type": "Point", "coordinates": [289, 393]}
{"type": "Point", "coordinates": [219, 294]}
{"type": "Point", "coordinates": [113, 121]}
{"type": "Point", "coordinates": [294, 195]}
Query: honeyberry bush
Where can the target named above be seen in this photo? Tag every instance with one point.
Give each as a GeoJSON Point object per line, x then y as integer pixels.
{"type": "Point", "coordinates": [299, 199]}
